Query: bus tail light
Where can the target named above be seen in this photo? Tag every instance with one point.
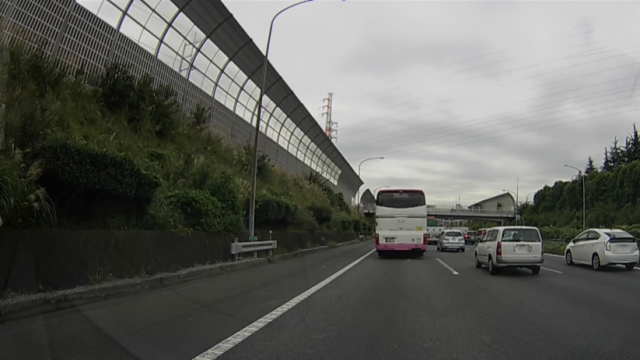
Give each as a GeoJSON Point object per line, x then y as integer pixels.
{"type": "Point", "coordinates": [376, 238]}
{"type": "Point", "coordinates": [425, 239]}
{"type": "Point", "coordinates": [499, 248]}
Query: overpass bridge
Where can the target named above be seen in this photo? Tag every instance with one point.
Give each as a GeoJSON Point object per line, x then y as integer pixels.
{"type": "Point", "coordinates": [470, 214]}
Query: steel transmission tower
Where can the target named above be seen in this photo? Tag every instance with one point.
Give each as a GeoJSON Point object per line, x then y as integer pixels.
{"type": "Point", "coordinates": [330, 126]}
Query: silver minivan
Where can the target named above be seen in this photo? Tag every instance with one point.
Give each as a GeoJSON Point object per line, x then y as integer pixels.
{"type": "Point", "coordinates": [451, 240]}
{"type": "Point", "coordinates": [510, 246]}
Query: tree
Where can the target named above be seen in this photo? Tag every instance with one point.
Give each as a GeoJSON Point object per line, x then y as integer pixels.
{"type": "Point", "coordinates": [590, 169]}
{"type": "Point", "coordinates": [633, 147]}
{"type": "Point", "coordinates": [606, 164]}
{"type": "Point", "coordinates": [615, 154]}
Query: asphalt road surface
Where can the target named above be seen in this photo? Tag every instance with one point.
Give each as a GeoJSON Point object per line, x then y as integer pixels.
{"type": "Point", "coordinates": [436, 307]}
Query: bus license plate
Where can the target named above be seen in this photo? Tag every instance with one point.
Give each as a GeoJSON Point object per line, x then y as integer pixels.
{"type": "Point", "coordinates": [389, 239]}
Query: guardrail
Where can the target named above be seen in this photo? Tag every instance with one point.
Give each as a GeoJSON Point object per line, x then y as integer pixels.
{"type": "Point", "coordinates": [253, 246]}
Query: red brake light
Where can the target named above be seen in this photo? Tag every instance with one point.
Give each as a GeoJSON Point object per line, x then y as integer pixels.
{"type": "Point", "coordinates": [376, 238]}
{"type": "Point", "coordinates": [499, 249]}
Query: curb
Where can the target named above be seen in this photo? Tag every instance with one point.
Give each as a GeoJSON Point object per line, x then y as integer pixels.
{"type": "Point", "coordinates": [34, 304]}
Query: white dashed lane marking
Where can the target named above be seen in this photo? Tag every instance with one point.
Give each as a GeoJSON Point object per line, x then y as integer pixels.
{"type": "Point", "coordinates": [453, 271]}
{"type": "Point", "coordinates": [233, 340]}
{"type": "Point", "coordinates": [550, 269]}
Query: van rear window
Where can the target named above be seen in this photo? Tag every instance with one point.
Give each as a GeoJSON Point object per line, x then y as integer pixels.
{"type": "Point", "coordinates": [518, 235]}
{"type": "Point", "coordinates": [400, 199]}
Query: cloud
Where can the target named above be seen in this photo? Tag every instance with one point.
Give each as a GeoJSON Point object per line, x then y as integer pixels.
{"type": "Point", "coordinates": [387, 56]}
{"type": "Point", "coordinates": [463, 98]}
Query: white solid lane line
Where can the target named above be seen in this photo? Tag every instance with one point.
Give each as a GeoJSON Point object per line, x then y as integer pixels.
{"type": "Point", "coordinates": [550, 269]}
{"type": "Point", "coordinates": [453, 271]}
{"type": "Point", "coordinates": [235, 339]}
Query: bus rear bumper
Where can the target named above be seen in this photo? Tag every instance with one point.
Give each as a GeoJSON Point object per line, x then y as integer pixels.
{"type": "Point", "coordinates": [401, 247]}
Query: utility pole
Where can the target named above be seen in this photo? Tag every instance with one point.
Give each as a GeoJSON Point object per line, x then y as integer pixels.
{"type": "Point", "coordinates": [584, 193]}
{"type": "Point", "coordinates": [517, 198]}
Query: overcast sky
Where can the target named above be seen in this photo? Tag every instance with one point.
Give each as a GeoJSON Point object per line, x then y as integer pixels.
{"type": "Point", "coordinates": [462, 98]}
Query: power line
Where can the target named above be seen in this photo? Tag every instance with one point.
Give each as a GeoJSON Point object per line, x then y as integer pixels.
{"type": "Point", "coordinates": [499, 119]}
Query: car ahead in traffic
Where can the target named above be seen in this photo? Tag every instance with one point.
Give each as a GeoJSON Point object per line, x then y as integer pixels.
{"type": "Point", "coordinates": [470, 237]}
{"type": "Point", "coordinates": [480, 235]}
{"type": "Point", "coordinates": [602, 247]}
{"type": "Point", "coordinates": [510, 246]}
{"type": "Point", "coordinates": [451, 240]}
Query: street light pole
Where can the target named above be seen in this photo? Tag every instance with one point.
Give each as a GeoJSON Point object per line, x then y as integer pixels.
{"type": "Point", "coordinates": [517, 198]}
{"type": "Point", "coordinates": [584, 211]}
{"type": "Point", "coordinates": [360, 166]}
{"type": "Point", "coordinates": [254, 169]}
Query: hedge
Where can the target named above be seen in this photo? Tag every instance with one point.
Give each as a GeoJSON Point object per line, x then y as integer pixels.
{"type": "Point", "coordinates": [88, 170]}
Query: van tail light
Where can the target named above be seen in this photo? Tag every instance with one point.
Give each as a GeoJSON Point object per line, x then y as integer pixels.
{"type": "Point", "coordinates": [376, 238]}
{"type": "Point", "coordinates": [499, 248]}
{"type": "Point", "coordinates": [425, 239]}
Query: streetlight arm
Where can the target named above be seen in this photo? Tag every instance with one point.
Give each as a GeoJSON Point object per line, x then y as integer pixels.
{"type": "Point", "coordinates": [367, 159]}
{"type": "Point", "coordinates": [573, 167]}
{"type": "Point", "coordinates": [359, 167]}
{"type": "Point", "coordinates": [273, 20]}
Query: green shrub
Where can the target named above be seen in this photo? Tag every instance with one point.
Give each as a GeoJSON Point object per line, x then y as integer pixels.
{"type": "Point", "coordinates": [197, 209]}
{"type": "Point", "coordinates": [554, 247]}
{"type": "Point", "coordinates": [244, 161]}
{"type": "Point", "coordinates": [226, 189]}
{"type": "Point", "coordinates": [117, 87]}
{"type": "Point", "coordinates": [22, 202]}
{"type": "Point", "coordinates": [558, 233]}
{"type": "Point", "coordinates": [144, 105]}
{"type": "Point", "coordinates": [336, 199]}
{"type": "Point", "coordinates": [88, 170]}
{"type": "Point", "coordinates": [342, 222]}
{"type": "Point", "coordinates": [274, 212]}
{"type": "Point", "coordinates": [305, 221]}
{"type": "Point", "coordinates": [200, 115]}
{"type": "Point", "coordinates": [322, 214]}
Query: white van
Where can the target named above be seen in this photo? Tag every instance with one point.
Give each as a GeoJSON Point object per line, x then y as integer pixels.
{"type": "Point", "coordinates": [510, 246]}
{"type": "Point", "coordinates": [401, 221]}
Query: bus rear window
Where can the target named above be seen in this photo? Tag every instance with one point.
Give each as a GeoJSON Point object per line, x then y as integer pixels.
{"type": "Point", "coordinates": [400, 199]}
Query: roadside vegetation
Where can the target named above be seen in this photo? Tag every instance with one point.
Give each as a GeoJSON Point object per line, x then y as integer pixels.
{"type": "Point", "coordinates": [612, 196]}
{"type": "Point", "coordinates": [118, 152]}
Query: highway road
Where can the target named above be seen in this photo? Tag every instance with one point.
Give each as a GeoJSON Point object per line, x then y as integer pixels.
{"type": "Point", "coordinates": [436, 307]}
